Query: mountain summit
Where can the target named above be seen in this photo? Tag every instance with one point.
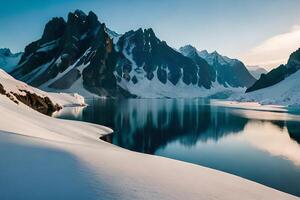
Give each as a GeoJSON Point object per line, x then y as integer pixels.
{"type": "Point", "coordinates": [228, 72]}
{"type": "Point", "coordinates": [9, 60]}
{"type": "Point", "coordinates": [83, 55]}
{"type": "Point", "coordinates": [76, 55]}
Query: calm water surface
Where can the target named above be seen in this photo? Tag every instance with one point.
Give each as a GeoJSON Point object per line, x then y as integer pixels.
{"type": "Point", "coordinates": [255, 142]}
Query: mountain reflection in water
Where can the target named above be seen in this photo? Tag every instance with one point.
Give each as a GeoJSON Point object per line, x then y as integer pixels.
{"type": "Point", "coordinates": [259, 143]}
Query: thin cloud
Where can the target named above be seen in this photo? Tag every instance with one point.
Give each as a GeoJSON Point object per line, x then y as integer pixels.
{"type": "Point", "coordinates": [275, 50]}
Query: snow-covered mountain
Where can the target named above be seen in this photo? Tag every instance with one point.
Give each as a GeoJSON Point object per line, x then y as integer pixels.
{"type": "Point", "coordinates": [286, 92]}
{"type": "Point", "coordinates": [83, 55]}
{"type": "Point", "coordinates": [229, 72]}
{"type": "Point", "coordinates": [279, 86]}
{"type": "Point", "coordinates": [44, 102]}
{"type": "Point", "coordinates": [278, 74]}
{"type": "Point", "coordinates": [76, 55]}
{"type": "Point", "coordinates": [8, 60]}
{"type": "Point", "coordinates": [256, 71]}
{"type": "Point", "coordinates": [150, 68]}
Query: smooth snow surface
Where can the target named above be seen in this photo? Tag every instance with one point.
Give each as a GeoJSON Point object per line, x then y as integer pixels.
{"type": "Point", "coordinates": [286, 92]}
{"type": "Point", "coordinates": [49, 158]}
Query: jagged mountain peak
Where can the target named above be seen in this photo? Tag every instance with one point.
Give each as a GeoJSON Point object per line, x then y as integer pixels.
{"type": "Point", "coordinates": [203, 53]}
{"type": "Point", "coordinates": [147, 58]}
{"type": "Point", "coordinates": [80, 13]}
{"type": "Point", "coordinates": [215, 57]}
{"type": "Point", "coordinates": [211, 58]}
{"type": "Point", "coordinates": [5, 52]}
{"type": "Point", "coordinates": [215, 53]}
{"type": "Point", "coordinates": [9, 60]}
{"type": "Point", "coordinates": [82, 55]}
{"type": "Point", "coordinates": [53, 29]}
{"type": "Point", "coordinates": [146, 33]}
{"type": "Point", "coordinates": [53, 60]}
{"type": "Point", "coordinates": [294, 60]}
{"type": "Point", "coordinates": [188, 50]}
{"type": "Point", "coordinates": [226, 69]}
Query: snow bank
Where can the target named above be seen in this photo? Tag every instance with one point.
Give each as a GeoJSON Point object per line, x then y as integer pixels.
{"type": "Point", "coordinates": [286, 92]}
{"type": "Point", "coordinates": [12, 85]}
{"type": "Point", "coordinates": [49, 158]}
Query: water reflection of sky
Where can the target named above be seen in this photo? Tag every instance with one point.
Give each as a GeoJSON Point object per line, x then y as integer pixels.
{"type": "Point", "coordinates": [261, 143]}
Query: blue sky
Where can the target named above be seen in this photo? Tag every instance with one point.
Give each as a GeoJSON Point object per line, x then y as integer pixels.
{"type": "Point", "coordinates": [248, 29]}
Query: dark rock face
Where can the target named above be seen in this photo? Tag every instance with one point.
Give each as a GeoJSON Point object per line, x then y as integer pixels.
{"type": "Point", "coordinates": [278, 74]}
{"type": "Point", "coordinates": [144, 52]}
{"type": "Point", "coordinates": [2, 90]}
{"type": "Point", "coordinates": [98, 75]}
{"type": "Point", "coordinates": [226, 71]}
{"type": "Point", "coordinates": [206, 73]}
{"type": "Point", "coordinates": [80, 40]}
{"type": "Point", "coordinates": [41, 104]}
{"type": "Point", "coordinates": [230, 72]}
{"type": "Point", "coordinates": [269, 79]}
{"type": "Point", "coordinates": [82, 50]}
{"type": "Point", "coordinates": [235, 75]}
{"type": "Point", "coordinates": [8, 95]}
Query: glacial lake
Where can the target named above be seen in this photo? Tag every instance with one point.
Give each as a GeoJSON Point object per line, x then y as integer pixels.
{"type": "Point", "coordinates": [259, 143]}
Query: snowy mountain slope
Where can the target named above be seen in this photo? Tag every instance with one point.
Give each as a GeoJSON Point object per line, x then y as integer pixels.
{"type": "Point", "coordinates": [286, 92]}
{"type": "Point", "coordinates": [77, 52]}
{"type": "Point", "coordinates": [41, 101]}
{"type": "Point", "coordinates": [278, 74]}
{"type": "Point", "coordinates": [151, 69]}
{"type": "Point", "coordinates": [256, 71]}
{"type": "Point", "coordinates": [42, 149]}
{"type": "Point", "coordinates": [8, 60]}
{"type": "Point", "coordinates": [83, 55]}
{"type": "Point", "coordinates": [229, 72]}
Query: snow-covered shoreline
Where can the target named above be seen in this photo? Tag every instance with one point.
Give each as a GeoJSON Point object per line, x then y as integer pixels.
{"type": "Point", "coordinates": [69, 153]}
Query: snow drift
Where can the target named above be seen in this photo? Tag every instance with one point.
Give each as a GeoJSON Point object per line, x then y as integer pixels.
{"type": "Point", "coordinates": [49, 158]}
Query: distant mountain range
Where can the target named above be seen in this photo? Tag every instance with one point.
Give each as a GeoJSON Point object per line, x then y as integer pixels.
{"type": "Point", "coordinates": [278, 74]}
{"type": "Point", "coordinates": [8, 60]}
{"type": "Point", "coordinates": [83, 55]}
{"type": "Point", "coordinates": [226, 71]}
{"type": "Point", "coordinates": [256, 71]}
{"type": "Point", "coordinates": [279, 86]}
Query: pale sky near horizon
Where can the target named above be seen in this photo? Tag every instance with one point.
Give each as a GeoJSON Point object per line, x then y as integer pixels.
{"type": "Point", "coordinates": [257, 32]}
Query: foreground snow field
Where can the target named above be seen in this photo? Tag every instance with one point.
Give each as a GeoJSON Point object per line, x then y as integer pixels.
{"type": "Point", "coordinates": [49, 158]}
